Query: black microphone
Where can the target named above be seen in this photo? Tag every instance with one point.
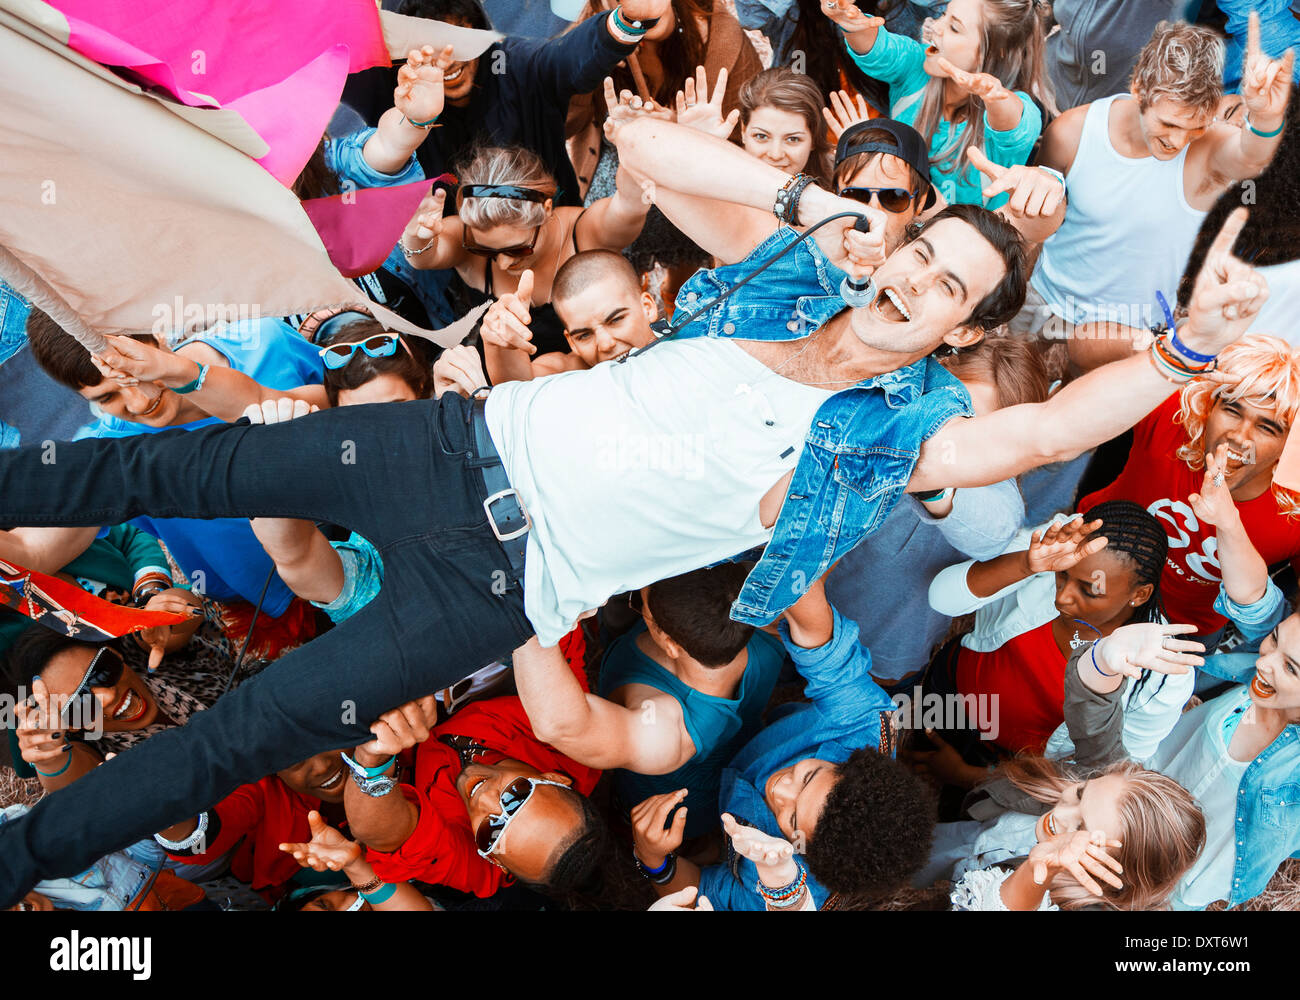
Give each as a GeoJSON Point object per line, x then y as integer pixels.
{"type": "Point", "coordinates": [859, 292]}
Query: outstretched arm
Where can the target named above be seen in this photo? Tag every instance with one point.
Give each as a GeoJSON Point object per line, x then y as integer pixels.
{"type": "Point", "coordinates": [1101, 404]}
{"type": "Point", "coordinates": [46, 550]}
{"type": "Point", "coordinates": [1242, 152]}
{"type": "Point", "coordinates": [649, 739]}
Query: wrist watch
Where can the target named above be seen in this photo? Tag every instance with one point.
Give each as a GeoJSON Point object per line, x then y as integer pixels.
{"type": "Point", "coordinates": [371, 780]}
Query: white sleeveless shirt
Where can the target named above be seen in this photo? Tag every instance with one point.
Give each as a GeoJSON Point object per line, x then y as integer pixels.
{"type": "Point", "coordinates": [636, 472]}
{"type": "Point", "coordinates": [1127, 232]}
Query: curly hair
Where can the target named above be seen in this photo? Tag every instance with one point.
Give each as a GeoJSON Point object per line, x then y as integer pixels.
{"type": "Point", "coordinates": [1269, 371]}
{"type": "Point", "coordinates": [1182, 62]}
{"type": "Point", "coordinates": [875, 829]}
{"type": "Point", "coordinates": [1163, 831]}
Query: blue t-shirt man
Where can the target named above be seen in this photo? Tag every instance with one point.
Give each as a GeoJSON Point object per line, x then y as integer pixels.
{"type": "Point", "coordinates": [223, 558]}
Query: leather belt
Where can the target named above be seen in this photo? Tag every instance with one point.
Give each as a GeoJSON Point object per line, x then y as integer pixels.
{"type": "Point", "coordinates": [505, 511]}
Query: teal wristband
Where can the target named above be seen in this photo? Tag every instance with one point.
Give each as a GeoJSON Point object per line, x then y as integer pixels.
{"type": "Point", "coordinates": [66, 764]}
{"type": "Point", "coordinates": [380, 895]}
{"type": "Point", "coordinates": [424, 125]}
{"type": "Point", "coordinates": [624, 27]}
{"type": "Point", "coordinates": [196, 385]}
{"type": "Point", "coordinates": [1265, 135]}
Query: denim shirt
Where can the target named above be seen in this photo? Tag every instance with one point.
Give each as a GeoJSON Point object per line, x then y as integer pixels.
{"type": "Point", "coordinates": [1268, 797]}
{"type": "Point", "coordinates": [847, 710]}
{"type": "Point", "coordinates": [864, 440]}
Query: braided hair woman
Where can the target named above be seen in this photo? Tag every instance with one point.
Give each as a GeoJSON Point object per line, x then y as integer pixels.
{"type": "Point", "coordinates": [1066, 584]}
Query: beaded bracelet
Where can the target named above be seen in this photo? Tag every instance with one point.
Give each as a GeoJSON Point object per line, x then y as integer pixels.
{"type": "Point", "coordinates": [786, 896]}
{"type": "Point", "coordinates": [786, 208]}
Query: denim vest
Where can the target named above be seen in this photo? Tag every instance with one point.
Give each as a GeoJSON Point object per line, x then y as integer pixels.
{"type": "Point", "coordinates": [864, 440]}
{"type": "Point", "coordinates": [1267, 824]}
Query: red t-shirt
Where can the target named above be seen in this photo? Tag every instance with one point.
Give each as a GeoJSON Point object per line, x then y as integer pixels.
{"type": "Point", "coordinates": [264, 814]}
{"type": "Point", "coordinates": [441, 848]}
{"type": "Point", "coordinates": [1027, 676]}
{"type": "Point", "coordinates": [1160, 481]}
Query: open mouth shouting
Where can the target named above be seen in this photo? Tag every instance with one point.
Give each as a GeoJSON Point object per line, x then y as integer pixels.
{"type": "Point", "coordinates": [891, 306]}
{"type": "Point", "coordinates": [130, 709]}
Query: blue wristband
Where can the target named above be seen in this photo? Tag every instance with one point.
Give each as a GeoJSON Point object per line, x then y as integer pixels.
{"type": "Point", "coordinates": [66, 764]}
{"type": "Point", "coordinates": [1092, 654]}
{"type": "Point", "coordinates": [380, 895]}
{"type": "Point", "coordinates": [1178, 345]}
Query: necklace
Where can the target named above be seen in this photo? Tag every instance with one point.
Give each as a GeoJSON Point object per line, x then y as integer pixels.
{"type": "Point", "coordinates": [1076, 642]}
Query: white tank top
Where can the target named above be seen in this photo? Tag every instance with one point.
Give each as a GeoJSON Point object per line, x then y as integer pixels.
{"type": "Point", "coordinates": [635, 472]}
{"type": "Point", "coordinates": [1127, 232]}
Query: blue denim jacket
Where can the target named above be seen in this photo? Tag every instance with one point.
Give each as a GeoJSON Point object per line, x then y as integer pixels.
{"type": "Point", "coordinates": [847, 711]}
{"type": "Point", "coordinates": [1268, 797]}
{"type": "Point", "coordinates": [864, 440]}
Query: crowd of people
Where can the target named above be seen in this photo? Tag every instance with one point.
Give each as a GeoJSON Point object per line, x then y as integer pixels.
{"type": "Point", "coordinates": [868, 478]}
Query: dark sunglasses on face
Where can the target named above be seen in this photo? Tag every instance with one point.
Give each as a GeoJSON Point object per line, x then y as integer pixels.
{"type": "Point", "coordinates": [893, 200]}
{"type": "Point", "coordinates": [514, 798]}
{"type": "Point", "coordinates": [104, 671]}
{"type": "Point", "coordinates": [381, 345]}
{"type": "Point", "coordinates": [470, 245]}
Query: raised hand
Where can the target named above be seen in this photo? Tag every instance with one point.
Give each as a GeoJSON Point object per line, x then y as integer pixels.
{"type": "Point", "coordinates": [624, 107]}
{"type": "Point", "coordinates": [683, 899]}
{"type": "Point", "coordinates": [843, 112]}
{"type": "Point", "coordinates": [400, 728]}
{"type": "Point", "coordinates": [846, 14]}
{"type": "Point", "coordinates": [419, 94]}
{"type": "Point", "coordinates": [506, 323]}
{"type": "Point", "coordinates": [704, 113]}
{"type": "Point", "coordinates": [772, 856]}
{"type": "Point", "coordinates": [1035, 195]}
{"type": "Point", "coordinates": [1227, 296]}
{"type": "Point", "coordinates": [1265, 82]}
{"type": "Point", "coordinates": [985, 86]}
{"type": "Point", "coordinates": [651, 842]}
{"type": "Point", "coordinates": [422, 232]}
{"type": "Point", "coordinates": [158, 638]}
{"type": "Point", "coordinates": [1081, 853]}
{"type": "Point", "coordinates": [278, 411]}
{"type": "Point", "coordinates": [458, 369]}
{"type": "Point", "coordinates": [1214, 504]}
{"type": "Point", "coordinates": [1133, 648]}
{"type": "Point", "coordinates": [40, 734]}
{"type": "Point", "coordinates": [1062, 545]}
{"type": "Point", "coordinates": [328, 850]}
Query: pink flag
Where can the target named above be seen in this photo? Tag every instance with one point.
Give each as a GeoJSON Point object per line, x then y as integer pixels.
{"type": "Point", "coordinates": [281, 65]}
{"type": "Point", "coordinates": [360, 228]}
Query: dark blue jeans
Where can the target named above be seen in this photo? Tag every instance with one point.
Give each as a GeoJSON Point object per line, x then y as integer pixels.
{"type": "Point", "coordinates": [401, 474]}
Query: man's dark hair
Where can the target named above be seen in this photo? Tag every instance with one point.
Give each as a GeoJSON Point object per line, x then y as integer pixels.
{"type": "Point", "coordinates": [1007, 297]}
{"type": "Point", "coordinates": [467, 12]}
{"type": "Point", "coordinates": [875, 829]}
{"type": "Point", "coordinates": [584, 269]}
{"type": "Point", "coordinates": [363, 368]}
{"type": "Point", "coordinates": [34, 649]}
{"type": "Point", "coordinates": [694, 609]}
{"type": "Point", "coordinates": [576, 860]}
{"type": "Point", "coordinates": [62, 356]}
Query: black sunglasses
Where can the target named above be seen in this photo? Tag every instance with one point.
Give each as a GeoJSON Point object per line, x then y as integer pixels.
{"type": "Point", "coordinates": [105, 670]}
{"type": "Point", "coordinates": [893, 200]}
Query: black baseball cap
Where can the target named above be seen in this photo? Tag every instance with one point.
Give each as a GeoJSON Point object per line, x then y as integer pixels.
{"type": "Point", "coordinates": [908, 145]}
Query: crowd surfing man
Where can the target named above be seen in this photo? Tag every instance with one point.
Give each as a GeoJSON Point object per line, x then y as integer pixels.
{"type": "Point", "coordinates": [494, 525]}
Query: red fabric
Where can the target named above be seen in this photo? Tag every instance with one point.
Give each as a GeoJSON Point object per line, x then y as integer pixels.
{"type": "Point", "coordinates": [1027, 676]}
{"type": "Point", "coordinates": [1160, 481]}
{"type": "Point", "coordinates": [265, 814]}
{"type": "Point", "coordinates": [441, 849]}
{"type": "Point", "coordinates": [273, 637]}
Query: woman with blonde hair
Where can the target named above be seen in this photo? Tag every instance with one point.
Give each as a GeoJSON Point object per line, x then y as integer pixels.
{"type": "Point", "coordinates": [977, 80]}
{"type": "Point", "coordinates": [507, 218]}
{"type": "Point", "coordinates": [1226, 430]}
{"type": "Point", "coordinates": [1100, 831]}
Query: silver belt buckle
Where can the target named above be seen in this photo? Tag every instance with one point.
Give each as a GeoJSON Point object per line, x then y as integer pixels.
{"type": "Point", "coordinates": [487, 509]}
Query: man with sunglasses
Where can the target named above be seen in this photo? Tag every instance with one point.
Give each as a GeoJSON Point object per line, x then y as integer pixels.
{"type": "Point", "coordinates": [486, 802]}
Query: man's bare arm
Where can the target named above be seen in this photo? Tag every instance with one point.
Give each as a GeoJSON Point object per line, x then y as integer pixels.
{"type": "Point", "coordinates": [46, 550]}
{"type": "Point", "coordinates": [651, 739]}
